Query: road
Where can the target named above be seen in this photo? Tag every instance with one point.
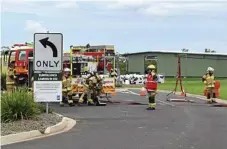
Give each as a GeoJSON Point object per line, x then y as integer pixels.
{"type": "Point", "coordinates": [171, 126]}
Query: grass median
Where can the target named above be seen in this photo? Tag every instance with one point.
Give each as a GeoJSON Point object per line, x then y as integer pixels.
{"type": "Point", "coordinates": [191, 85]}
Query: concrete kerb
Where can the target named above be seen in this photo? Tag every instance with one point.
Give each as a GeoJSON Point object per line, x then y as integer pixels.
{"type": "Point", "coordinates": [65, 125]}
{"type": "Point", "coordinates": [19, 137]}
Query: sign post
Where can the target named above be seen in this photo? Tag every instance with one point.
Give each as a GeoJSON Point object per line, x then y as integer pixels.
{"type": "Point", "coordinates": [48, 51]}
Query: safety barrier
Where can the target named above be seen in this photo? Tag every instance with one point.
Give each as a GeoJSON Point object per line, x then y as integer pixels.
{"type": "Point", "coordinates": [80, 89]}
{"type": "Point", "coordinates": [216, 89]}
{"type": "Point", "coordinates": [109, 90]}
{"type": "Point", "coordinates": [106, 89]}
{"type": "Point", "coordinates": [77, 88]}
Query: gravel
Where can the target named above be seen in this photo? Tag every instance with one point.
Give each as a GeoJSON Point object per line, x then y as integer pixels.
{"type": "Point", "coordinates": [40, 123]}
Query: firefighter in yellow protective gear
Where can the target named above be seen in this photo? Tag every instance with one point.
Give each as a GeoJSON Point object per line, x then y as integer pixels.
{"type": "Point", "coordinates": [10, 80]}
{"type": "Point", "coordinates": [209, 81]}
{"type": "Point", "coordinates": [93, 86]}
{"type": "Point", "coordinates": [98, 85]}
{"type": "Point", "coordinates": [66, 88]}
{"type": "Point", "coordinates": [151, 86]}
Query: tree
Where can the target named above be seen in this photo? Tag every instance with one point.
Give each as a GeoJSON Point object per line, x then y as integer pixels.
{"type": "Point", "coordinates": [184, 50]}
{"type": "Point", "coordinates": [209, 51]}
{"type": "Point", "coordinates": [4, 49]}
{"type": "Point", "coordinates": [121, 63]}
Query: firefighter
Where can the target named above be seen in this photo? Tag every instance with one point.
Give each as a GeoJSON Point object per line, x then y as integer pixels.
{"type": "Point", "coordinates": [10, 80]}
{"type": "Point", "coordinates": [98, 84]}
{"type": "Point", "coordinates": [151, 86]}
{"type": "Point", "coordinates": [66, 88]}
{"type": "Point", "coordinates": [209, 81]}
{"type": "Point", "coordinates": [88, 85]}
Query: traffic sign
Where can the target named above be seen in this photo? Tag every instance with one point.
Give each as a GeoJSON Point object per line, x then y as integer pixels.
{"type": "Point", "coordinates": [48, 51]}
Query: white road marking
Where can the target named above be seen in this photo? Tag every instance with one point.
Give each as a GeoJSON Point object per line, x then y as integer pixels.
{"type": "Point", "coordinates": [163, 102]}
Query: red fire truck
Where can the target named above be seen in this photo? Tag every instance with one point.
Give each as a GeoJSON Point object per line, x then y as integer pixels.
{"type": "Point", "coordinates": [18, 58]}
{"type": "Point", "coordinates": [100, 53]}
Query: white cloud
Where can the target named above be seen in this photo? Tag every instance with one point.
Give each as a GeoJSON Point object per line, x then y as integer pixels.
{"type": "Point", "coordinates": [146, 7]}
{"type": "Point", "coordinates": [170, 7]}
{"type": "Point", "coordinates": [38, 7]}
{"type": "Point", "coordinates": [66, 4]}
{"type": "Point", "coordinates": [34, 27]}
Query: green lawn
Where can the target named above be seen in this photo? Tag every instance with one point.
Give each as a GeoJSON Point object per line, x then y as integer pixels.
{"type": "Point", "coordinates": [191, 85]}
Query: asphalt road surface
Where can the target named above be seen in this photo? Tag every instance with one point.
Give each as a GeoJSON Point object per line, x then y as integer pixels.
{"type": "Point", "coordinates": [119, 126]}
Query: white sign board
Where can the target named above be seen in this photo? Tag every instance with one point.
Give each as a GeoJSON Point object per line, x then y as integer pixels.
{"type": "Point", "coordinates": [47, 91]}
{"type": "Point", "coordinates": [48, 51]}
{"type": "Point", "coordinates": [109, 82]}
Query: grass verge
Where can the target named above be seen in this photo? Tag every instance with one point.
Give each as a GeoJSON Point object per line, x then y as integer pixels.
{"type": "Point", "coordinates": [191, 85]}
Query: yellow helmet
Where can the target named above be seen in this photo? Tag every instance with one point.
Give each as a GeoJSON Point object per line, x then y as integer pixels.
{"type": "Point", "coordinates": [151, 67]}
{"type": "Point", "coordinates": [67, 70]}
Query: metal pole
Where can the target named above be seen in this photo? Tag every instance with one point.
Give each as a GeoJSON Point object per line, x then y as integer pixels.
{"type": "Point", "coordinates": [104, 61]}
{"type": "Point", "coordinates": [186, 77]}
{"type": "Point", "coordinates": [47, 107]}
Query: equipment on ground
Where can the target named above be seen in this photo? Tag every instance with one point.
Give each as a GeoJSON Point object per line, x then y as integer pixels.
{"type": "Point", "coordinates": [178, 80]}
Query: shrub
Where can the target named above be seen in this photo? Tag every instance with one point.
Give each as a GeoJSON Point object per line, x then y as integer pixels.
{"type": "Point", "coordinates": [3, 81]}
{"type": "Point", "coordinates": [18, 105]}
{"type": "Point", "coordinates": [42, 108]}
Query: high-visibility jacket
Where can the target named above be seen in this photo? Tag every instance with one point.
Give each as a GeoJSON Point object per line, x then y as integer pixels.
{"type": "Point", "coordinates": [151, 83]}
{"type": "Point", "coordinates": [209, 80]}
{"type": "Point", "coordinates": [66, 84]}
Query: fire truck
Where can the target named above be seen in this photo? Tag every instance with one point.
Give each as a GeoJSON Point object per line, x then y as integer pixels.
{"type": "Point", "coordinates": [90, 58]}
{"type": "Point", "coordinates": [18, 58]}
{"type": "Point", "coordinates": [102, 53]}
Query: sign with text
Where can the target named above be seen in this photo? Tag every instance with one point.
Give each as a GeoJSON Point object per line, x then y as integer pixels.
{"type": "Point", "coordinates": [109, 81]}
{"type": "Point", "coordinates": [47, 91]}
{"type": "Point", "coordinates": [47, 77]}
{"type": "Point", "coordinates": [48, 51]}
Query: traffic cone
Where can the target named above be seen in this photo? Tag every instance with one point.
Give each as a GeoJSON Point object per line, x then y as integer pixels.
{"type": "Point", "coordinates": [183, 94]}
{"type": "Point", "coordinates": [143, 92]}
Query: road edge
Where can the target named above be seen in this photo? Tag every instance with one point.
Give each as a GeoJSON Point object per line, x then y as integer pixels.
{"type": "Point", "coordinates": [220, 101]}
{"type": "Point", "coordinates": [63, 126]}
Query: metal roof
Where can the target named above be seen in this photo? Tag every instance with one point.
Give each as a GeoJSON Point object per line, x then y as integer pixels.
{"type": "Point", "coordinates": [96, 46]}
{"type": "Point", "coordinates": [175, 52]}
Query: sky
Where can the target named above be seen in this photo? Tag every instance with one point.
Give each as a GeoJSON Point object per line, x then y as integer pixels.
{"type": "Point", "coordinates": [129, 25]}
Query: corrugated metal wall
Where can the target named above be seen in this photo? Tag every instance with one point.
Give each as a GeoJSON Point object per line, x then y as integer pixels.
{"type": "Point", "coordinates": [191, 65]}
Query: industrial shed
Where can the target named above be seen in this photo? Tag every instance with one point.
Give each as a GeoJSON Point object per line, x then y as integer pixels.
{"type": "Point", "coordinates": [192, 64]}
